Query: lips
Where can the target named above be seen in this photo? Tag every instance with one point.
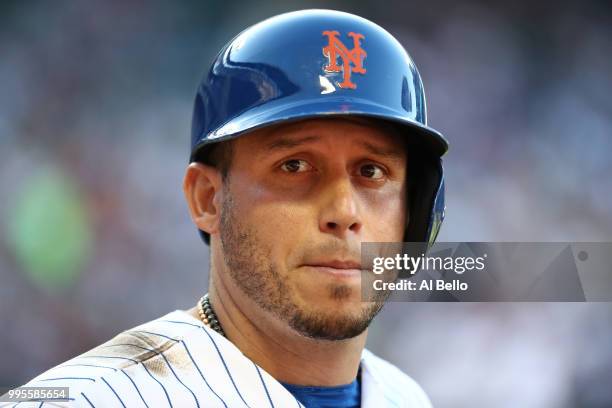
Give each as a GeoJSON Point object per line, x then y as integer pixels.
{"type": "Point", "coordinates": [337, 264]}
{"type": "Point", "coordinates": [337, 268]}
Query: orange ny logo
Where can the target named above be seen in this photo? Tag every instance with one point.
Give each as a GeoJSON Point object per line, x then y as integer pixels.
{"type": "Point", "coordinates": [336, 48]}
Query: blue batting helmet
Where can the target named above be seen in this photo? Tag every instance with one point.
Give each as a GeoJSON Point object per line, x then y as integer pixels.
{"type": "Point", "coordinates": [324, 63]}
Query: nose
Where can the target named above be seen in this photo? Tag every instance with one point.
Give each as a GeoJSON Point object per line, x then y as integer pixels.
{"type": "Point", "coordinates": [340, 210]}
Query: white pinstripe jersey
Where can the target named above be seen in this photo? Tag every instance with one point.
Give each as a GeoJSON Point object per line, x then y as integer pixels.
{"type": "Point", "coordinates": [176, 361]}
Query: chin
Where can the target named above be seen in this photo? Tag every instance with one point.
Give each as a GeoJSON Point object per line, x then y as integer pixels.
{"type": "Point", "coordinates": [331, 324]}
{"type": "Point", "coordinates": [336, 314]}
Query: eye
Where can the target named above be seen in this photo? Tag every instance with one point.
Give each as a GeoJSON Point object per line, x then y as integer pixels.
{"type": "Point", "coordinates": [372, 171]}
{"type": "Point", "coordinates": [296, 166]}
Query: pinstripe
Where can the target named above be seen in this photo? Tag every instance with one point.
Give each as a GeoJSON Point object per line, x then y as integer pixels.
{"type": "Point", "coordinates": [114, 392]}
{"type": "Point", "coordinates": [192, 360]}
{"type": "Point", "coordinates": [202, 375]}
{"type": "Point", "coordinates": [87, 365]}
{"type": "Point", "coordinates": [391, 400]}
{"type": "Point", "coordinates": [218, 353]}
{"type": "Point", "coordinates": [179, 322]}
{"type": "Point", "coordinates": [155, 334]}
{"type": "Point", "coordinates": [160, 384]}
{"type": "Point", "coordinates": [167, 362]}
{"type": "Point", "coordinates": [202, 327]}
{"type": "Point", "coordinates": [42, 402]}
{"type": "Point", "coordinates": [137, 390]}
{"type": "Point", "coordinates": [146, 369]}
{"type": "Point", "coordinates": [68, 378]}
{"type": "Point", "coordinates": [264, 384]}
{"type": "Point", "coordinates": [225, 365]}
{"type": "Point", "coordinates": [88, 401]}
{"type": "Point", "coordinates": [121, 358]}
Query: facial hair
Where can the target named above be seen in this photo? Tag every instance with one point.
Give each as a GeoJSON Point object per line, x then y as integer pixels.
{"type": "Point", "coordinates": [248, 261]}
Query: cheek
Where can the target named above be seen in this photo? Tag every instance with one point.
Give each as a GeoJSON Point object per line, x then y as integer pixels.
{"type": "Point", "coordinates": [384, 215]}
{"type": "Point", "coordinates": [278, 220]}
{"type": "Point", "coordinates": [281, 221]}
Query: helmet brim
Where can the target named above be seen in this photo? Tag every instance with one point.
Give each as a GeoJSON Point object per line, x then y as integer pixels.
{"type": "Point", "coordinates": [284, 112]}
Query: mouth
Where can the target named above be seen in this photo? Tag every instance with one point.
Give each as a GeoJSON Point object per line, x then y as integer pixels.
{"type": "Point", "coordinates": [337, 268]}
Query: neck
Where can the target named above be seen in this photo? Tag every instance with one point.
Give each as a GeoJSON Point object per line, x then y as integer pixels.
{"type": "Point", "coordinates": [286, 355]}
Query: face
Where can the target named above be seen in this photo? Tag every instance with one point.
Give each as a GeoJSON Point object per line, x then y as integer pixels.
{"type": "Point", "coordinates": [299, 201]}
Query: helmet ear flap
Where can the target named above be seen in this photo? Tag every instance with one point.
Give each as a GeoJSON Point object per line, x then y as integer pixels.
{"type": "Point", "coordinates": [437, 215]}
{"type": "Point", "coordinates": [205, 237]}
{"type": "Point", "coordinates": [425, 197]}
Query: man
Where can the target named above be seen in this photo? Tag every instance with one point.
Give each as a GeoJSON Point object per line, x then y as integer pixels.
{"type": "Point", "coordinates": [309, 137]}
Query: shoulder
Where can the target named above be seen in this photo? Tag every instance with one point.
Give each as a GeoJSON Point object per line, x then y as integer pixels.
{"type": "Point", "coordinates": [398, 388]}
{"type": "Point", "coordinates": [124, 368]}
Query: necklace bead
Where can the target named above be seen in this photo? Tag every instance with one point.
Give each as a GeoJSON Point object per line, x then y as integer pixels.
{"type": "Point", "coordinates": [208, 316]}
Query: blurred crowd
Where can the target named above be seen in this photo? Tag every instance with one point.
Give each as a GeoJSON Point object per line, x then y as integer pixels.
{"type": "Point", "coordinates": [95, 237]}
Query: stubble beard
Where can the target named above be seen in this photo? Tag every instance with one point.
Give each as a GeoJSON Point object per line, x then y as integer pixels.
{"type": "Point", "coordinates": [248, 263]}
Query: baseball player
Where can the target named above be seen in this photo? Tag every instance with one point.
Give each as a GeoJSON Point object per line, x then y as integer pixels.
{"type": "Point", "coordinates": [309, 137]}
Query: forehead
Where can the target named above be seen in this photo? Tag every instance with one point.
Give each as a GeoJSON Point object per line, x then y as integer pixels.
{"type": "Point", "coordinates": [357, 128]}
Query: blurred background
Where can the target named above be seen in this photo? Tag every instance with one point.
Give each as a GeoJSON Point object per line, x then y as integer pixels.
{"type": "Point", "coordinates": [95, 238]}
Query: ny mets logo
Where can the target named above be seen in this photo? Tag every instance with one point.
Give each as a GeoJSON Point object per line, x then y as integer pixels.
{"type": "Point", "coordinates": [335, 48]}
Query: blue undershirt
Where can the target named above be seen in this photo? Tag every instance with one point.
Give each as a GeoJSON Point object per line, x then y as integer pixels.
{"type": "Point", "coordinates": [341, 396]}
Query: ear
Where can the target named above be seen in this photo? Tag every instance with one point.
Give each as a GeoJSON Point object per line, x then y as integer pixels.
{"type": "Point", "coordinates": [202, 186]}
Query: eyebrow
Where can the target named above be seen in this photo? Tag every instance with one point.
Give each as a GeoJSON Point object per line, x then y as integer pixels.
{"type": "Point", "coordinates": [284, 143]}
{"type": "Point", "coordinates": [391, 153]}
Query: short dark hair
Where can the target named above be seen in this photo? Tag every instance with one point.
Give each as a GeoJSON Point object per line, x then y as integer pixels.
{"type": "Point", "coordinates": [218, 155]}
